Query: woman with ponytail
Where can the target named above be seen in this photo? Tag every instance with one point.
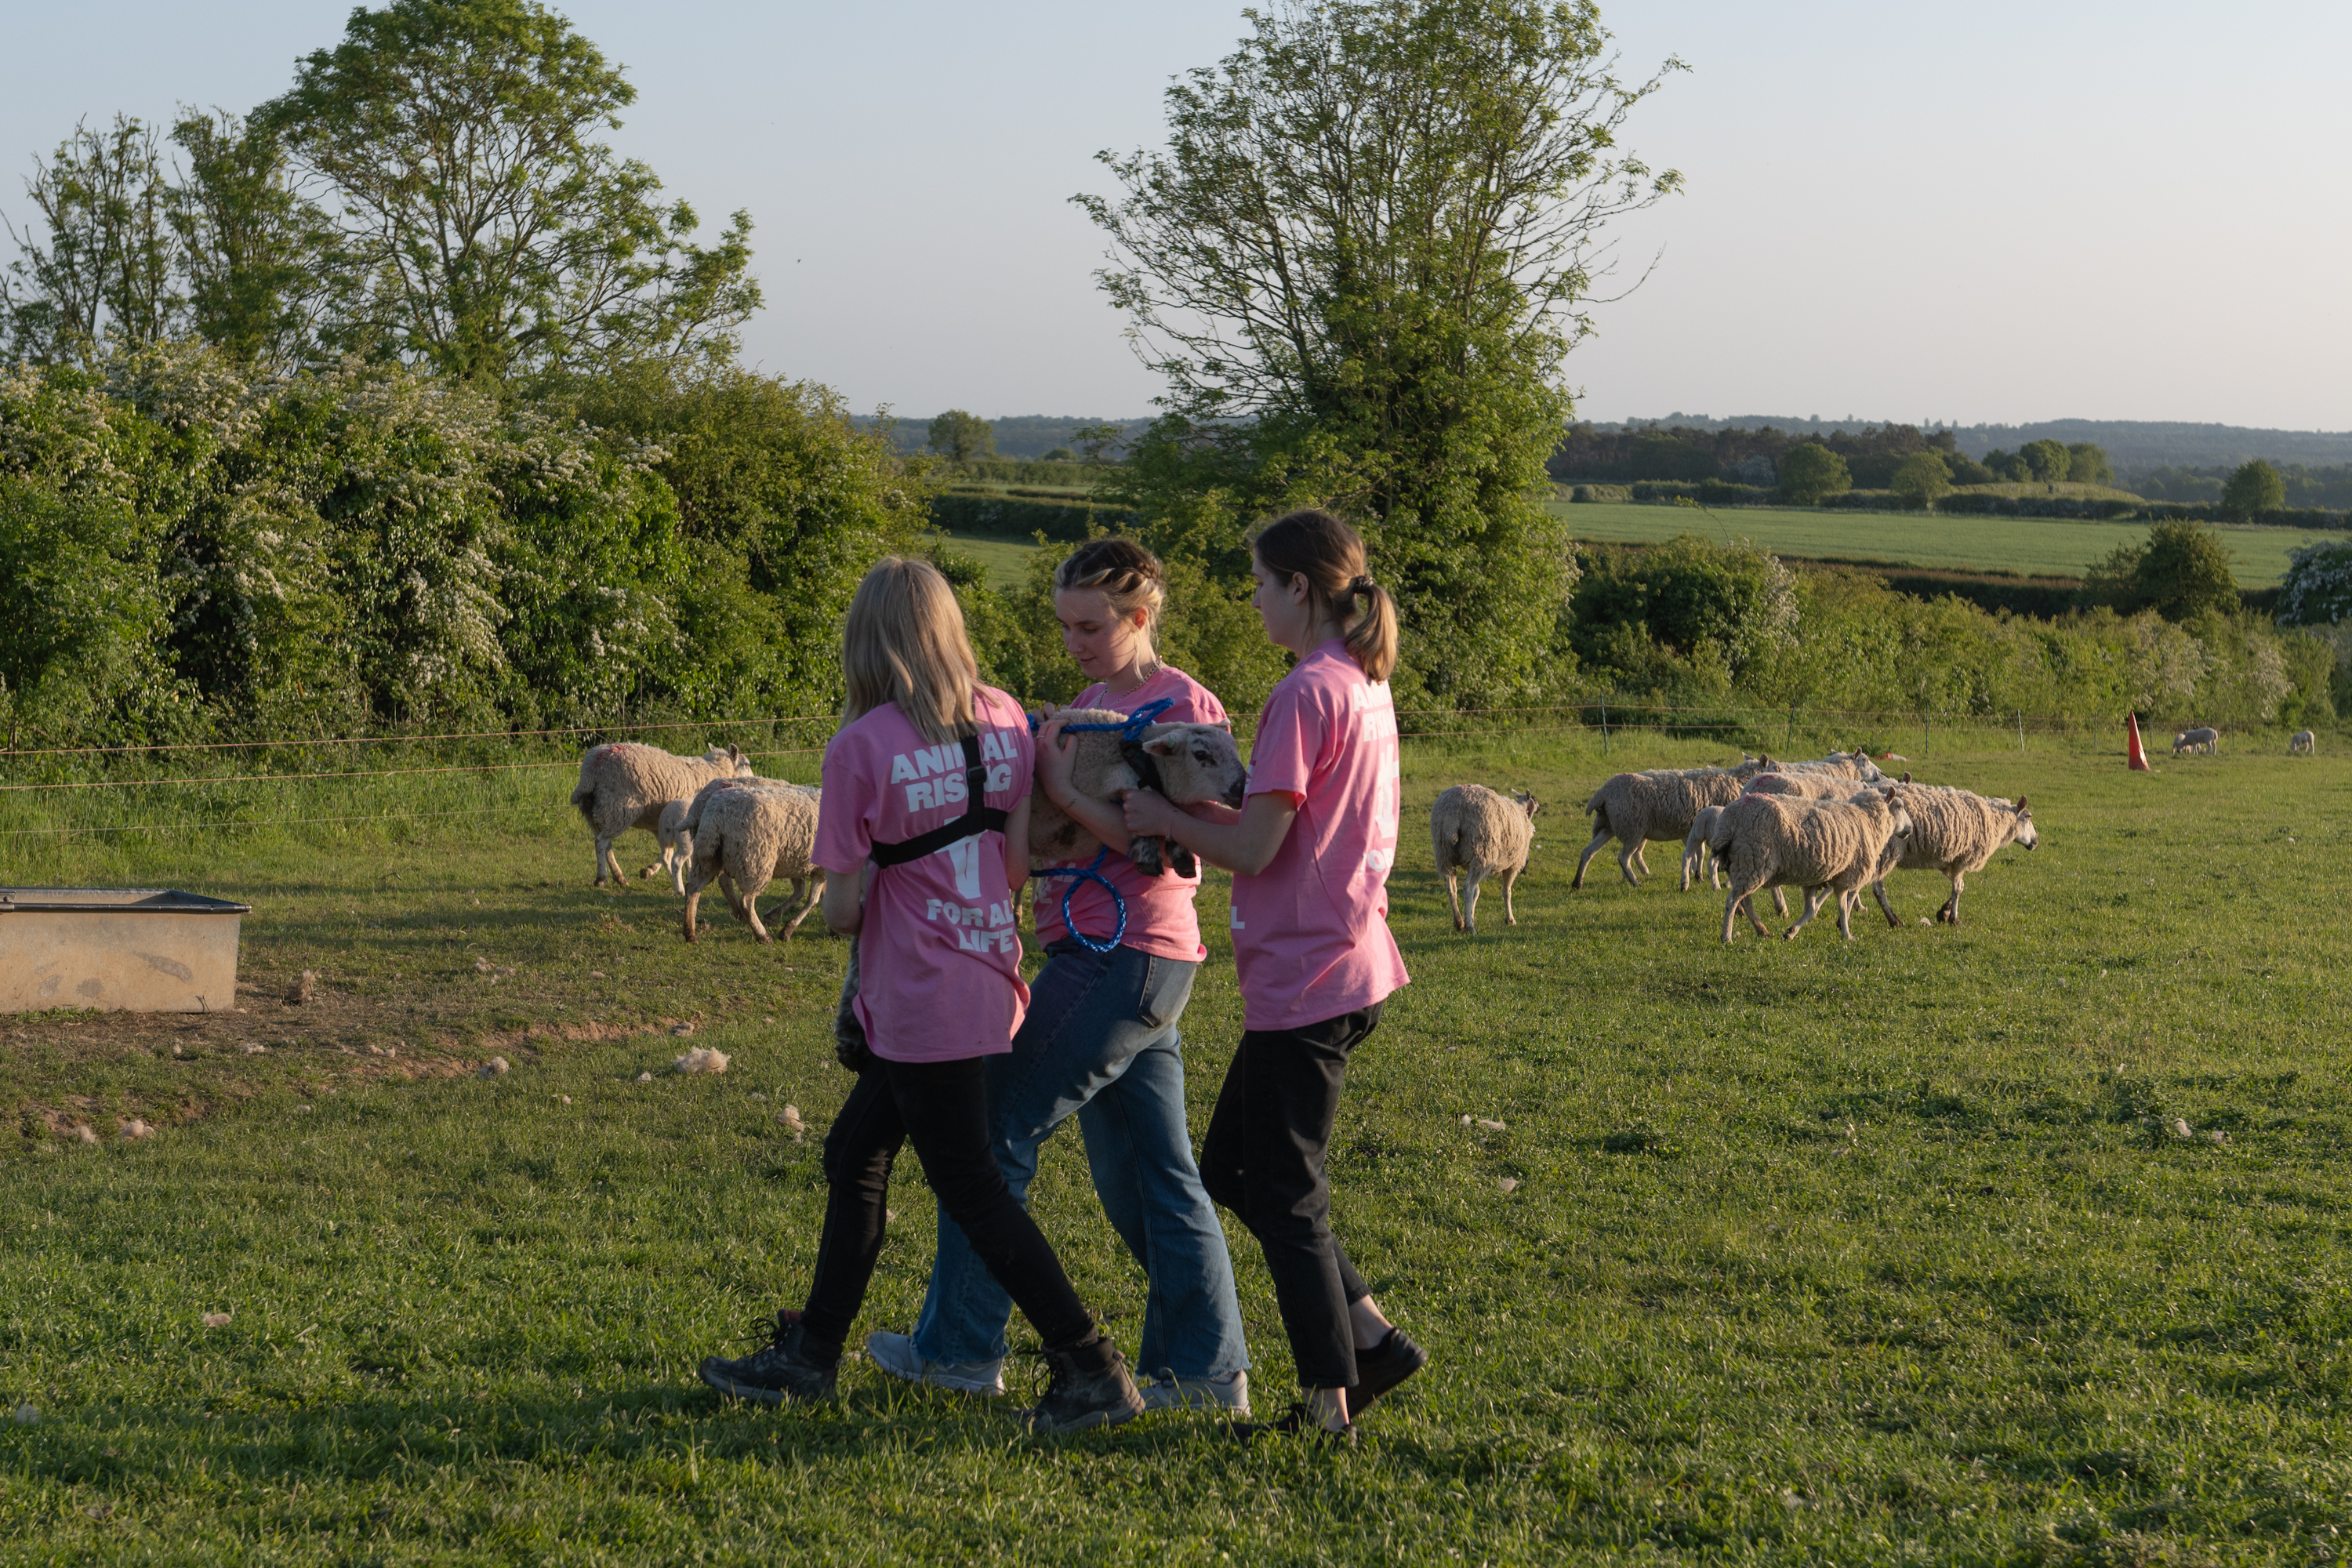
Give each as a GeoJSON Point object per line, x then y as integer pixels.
{"type": "Point", "coordinates": [1310, 851]}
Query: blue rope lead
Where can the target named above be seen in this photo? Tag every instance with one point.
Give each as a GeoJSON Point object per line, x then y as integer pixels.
{"type": "Point", "coordinates": [1130, 728]}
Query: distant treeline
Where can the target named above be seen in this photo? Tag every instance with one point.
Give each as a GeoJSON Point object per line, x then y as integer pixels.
{"type": "Point", "coordinates": [2308, 488]}
{"type": "Point", "coordinates": [1017, 435]}
{"type": "Point", "coordinates": [2136, 446]}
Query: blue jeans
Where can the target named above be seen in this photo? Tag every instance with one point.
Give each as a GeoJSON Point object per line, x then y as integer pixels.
{"type": "Point", "coordinates": [1100, 1040]}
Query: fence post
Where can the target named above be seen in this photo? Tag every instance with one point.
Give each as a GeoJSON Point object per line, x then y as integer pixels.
{"type": "Point", "coordinates": [2021, 729]}
{"type": "Point", "coordinates": [1789, 744]}
{"type": "Point", "coordinates": [1927, 733]}
{"type": "Point", "coordinates": [1605, 729]}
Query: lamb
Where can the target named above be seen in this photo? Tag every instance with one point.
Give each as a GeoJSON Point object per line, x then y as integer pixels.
{"type": "Point", "coordinates": [2302, 743]}
{"type": "Point", "coordinates": [1955, 832]}
{"type": "Point", "coordinates": [2207, 739]}
{"type": "Point", "coordinates": [746, 837]}
{"type": "Point", "coordinates": [1634, 808]}
{"type": "Point", "coordinates": [1824, 847]}
{"type": "Point", "coordinates": [1473, 829]}
{"type": "Point", "coordinates": [1189, 763]}
{"type": "Point", "coordinates": [626, 784]}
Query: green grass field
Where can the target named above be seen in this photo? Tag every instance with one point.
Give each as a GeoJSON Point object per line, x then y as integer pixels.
{"type": "Point", "coordinates": [1818, 1252]}
{"type": "Point", "coordinates": [1006, 559]}
{"type": "Point", "coordinates": [2032, 546]}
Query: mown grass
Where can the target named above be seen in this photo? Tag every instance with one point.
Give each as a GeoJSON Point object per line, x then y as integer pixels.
{"type": "Point", "coordinates": [1005, 559]}
{"type": "Point", "coordinates": [1820, 1252]}
{"type": "Point", "coordinates": [2030, 546]}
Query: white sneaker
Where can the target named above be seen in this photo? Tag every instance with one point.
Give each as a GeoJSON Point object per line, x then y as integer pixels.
{"type": "Point", "coordinates": [895, 1355]}
{"type": "Point", "coordinates": [1168, 1392]}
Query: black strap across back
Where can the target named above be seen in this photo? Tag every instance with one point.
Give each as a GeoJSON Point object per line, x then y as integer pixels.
{"type": "Point", "coordinates": [977, 817]}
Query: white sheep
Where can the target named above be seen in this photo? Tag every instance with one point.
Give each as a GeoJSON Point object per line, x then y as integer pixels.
{"type": "Point", "coordinates": [626, 784]}
{"type": "Point", "coordinates": [1188, 763]}
{"type": "Point", "coordinates": [2207, 740]}
{"type": "Point", "coordinates": [677, 844]}
{"type": "Point", "coordinates": [1825, 846]}
{"type": "Point", "coordinates": [745, 838]}
{"type": "Point", "coordinates": [1698, 852]}
{"type": "Point", "coordinates": [1634, 808]}
{"type": "Point", "coordinates": [1953, 831]}
{"type": "Point", "coordinates": [1854, 764]}
{"type": "Point", "coordinates": [1472, 829]}
{"type": "Point", "coordinates": [2302, 743]}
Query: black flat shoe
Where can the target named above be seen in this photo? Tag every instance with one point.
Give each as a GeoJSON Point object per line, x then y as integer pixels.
{"type": "Point", "coordinates": [1296, 1423]}
{"type": "Point", "coordinates": [1382, 1368]}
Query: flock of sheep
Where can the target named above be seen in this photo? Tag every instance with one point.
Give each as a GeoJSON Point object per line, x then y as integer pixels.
{"type": "Point", "coordinates": [716, 821]}
{"type": "Point", "coordinates": [1833, 826]}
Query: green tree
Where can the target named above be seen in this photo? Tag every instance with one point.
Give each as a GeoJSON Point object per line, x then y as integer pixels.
{"type": "Point", "coordinates": [483, 230]}
{"type": "Point", "coordinates": [1359, 263]}
{"type": "Point", "coordinates": [2045, 461]}
{"type": "Point", "coordinates": [251, 246]}
{"type": "Point", "coordinates": [108, 275]}
{"type": "Point", "coordinates": [2087, 465]}
{"type": "Point", "coordinates": [80, 609]}
{"type": "Point", "coordinates": [2181, 573]}
{"type": "Point", "coordinates": [1921, 480]}
{"type": "Point", "coordinates": [1809, 470]}
{"type": "Point", "coordinates": [2254, 488]}
{"type": "Point", "coordinates": [962, 437]}
{"type": "Point", "coordinates": [1967, 470]}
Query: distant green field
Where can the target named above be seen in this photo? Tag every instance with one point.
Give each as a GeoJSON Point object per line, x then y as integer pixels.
{"type": "Point", "coordinates": [2036, 546]}
{"type": "Point", "coordinates": [1007, 560]}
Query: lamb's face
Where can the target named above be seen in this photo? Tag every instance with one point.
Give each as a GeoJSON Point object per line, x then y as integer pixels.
{"type": "Point", "coordinates": [2024, 832]}
{"type": "Point", "coordinates": [729, 758]}
{"type": "Point", "coordinates": [1527, 802]}
{"type": "Point", "coordinates": [1199, 763]}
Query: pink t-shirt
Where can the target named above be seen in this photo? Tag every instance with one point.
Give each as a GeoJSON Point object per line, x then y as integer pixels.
{"type": "Point", "coordinates": [1160, 919]}
{"type": "Point", "coordinates": [1311, 931]}
{"type": "Point", "coordinates": [939, 951]}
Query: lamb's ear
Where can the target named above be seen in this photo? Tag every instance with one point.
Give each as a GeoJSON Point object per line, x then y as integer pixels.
{"type": "Point", "coordinates": [1163, 745]}
{"type": "Point", "coordinates": [1905, 779]}
{"type": "Point", "coordinates": [2020, 806]}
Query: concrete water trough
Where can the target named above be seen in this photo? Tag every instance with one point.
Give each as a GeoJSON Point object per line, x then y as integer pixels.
{"type": "Point", "coordinates": [141, 949]}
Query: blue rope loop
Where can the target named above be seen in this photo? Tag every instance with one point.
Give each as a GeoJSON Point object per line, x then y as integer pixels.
{"type": "Point", "coordinates": [1130, 728]}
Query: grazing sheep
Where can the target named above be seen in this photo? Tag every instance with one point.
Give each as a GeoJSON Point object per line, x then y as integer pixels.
{"type": "Point", "coordinates": [2206, 740]}
{"type": "Point", "coordinates": [2302, 743]}
{"type": "Point", "coordinates": [1825, 846]}
{"type": "Point", "coordinates": [1473, 829]}
{"type": "Point", "coordinates": [745, 838]}
{"type": "Point", "coordinates": [1634, 808]}
{"type": "Point", "coordinates": [1952, 831]}
{"type": "Point", "coordinates": [626, 784]}
{"type": "Point", "coordinates": [1188, 763]}
{"type": "Point", "coordinates": [1803, 786]}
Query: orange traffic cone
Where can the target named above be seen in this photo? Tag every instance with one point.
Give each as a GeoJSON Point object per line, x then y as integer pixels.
{"type": "Point", "coordinates": [2139, 763]}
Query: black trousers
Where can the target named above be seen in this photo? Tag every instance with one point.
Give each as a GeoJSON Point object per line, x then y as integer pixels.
{"type": "Point", "coordinates": [941, 1107]}
{"type": "Point", "coordinates": [1263, 1158]}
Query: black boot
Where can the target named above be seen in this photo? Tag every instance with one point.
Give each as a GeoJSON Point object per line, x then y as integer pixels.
{"type": "Point", "coordinates": [1090, 1387]}
{"type": "Point", "coordinates": [792, 1365]}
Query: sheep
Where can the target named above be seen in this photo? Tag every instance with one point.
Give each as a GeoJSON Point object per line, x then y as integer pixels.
{"type": "Point", "coordinates": [1824, 847]}
{"type": "Point", "coordinates": [2207, 739]}
{"type": "Point", "coordinates": [1473, 829]}
{"type": "Point", "coordinates": [626, 784]}
{"type": "Point", "coordinates": [746, 837]}
{"type": "Point", "coordinates": [1634, 808]}
{"type": "Point", "coordinates": [1854, 764]}
{"type": "Point", "coordinates": [1188, 763]}
{"type": "Point", "coordinates": [1955, 832]}
{"type": "Point", "coordinates": [1697, 850]}
{"type": "Point", "coordinates": [677, 844]}
{"type": "Point", "coordinates": [2302, 743]}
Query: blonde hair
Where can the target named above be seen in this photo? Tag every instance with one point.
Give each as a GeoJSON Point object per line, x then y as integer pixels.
{"type": "Point", "coordinates": [1329, 555]}
{"type": "Point", "coordinates": [1128, 577]}
{"type": "Point", "coordinates": [904, 643]}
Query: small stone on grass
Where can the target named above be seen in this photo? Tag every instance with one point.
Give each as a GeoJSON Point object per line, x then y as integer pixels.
{"type": "Point", "coordinates": [216, 1319]}
{"type": "Point", "coordinates": [26, 1415]}
{"type": "Point", "coordinates": [1510, 1185]}
{"type": "Point", "coordinates": [644, 1078]}
{"type": "Point", "coordinates": [496, 1068]}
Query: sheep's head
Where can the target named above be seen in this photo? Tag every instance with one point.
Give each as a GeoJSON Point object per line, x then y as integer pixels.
{"type": "Point", "coordinates": [1863, 766]}
{"type": "Point", "coordinates": [2023, 831]}
{"type": "Point", "coordinates": [1197, 762]}
{"type": "Point", "coordinates": [1526, 803]}
{"type": "Point", "coordinates": [730, 758]}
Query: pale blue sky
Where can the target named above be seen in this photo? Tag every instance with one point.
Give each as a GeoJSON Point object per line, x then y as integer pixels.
{"type": "Point", "coordinates": [2007, 212]}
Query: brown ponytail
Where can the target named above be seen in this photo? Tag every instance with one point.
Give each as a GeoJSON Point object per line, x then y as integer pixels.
{"type": "Point", "coordinates": [1329, 555]}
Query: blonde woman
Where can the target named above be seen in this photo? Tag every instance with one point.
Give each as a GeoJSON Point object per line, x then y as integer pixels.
{"type": "Point", "coordinates": [924, 783]}
{"type": "Point", "coordinates": [1100, 1042]}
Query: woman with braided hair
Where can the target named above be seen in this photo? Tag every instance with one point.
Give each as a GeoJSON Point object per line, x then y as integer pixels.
{"type": "Point", "coordinates": [1100, 1042]}
{"type": "Point", "coordinates": [1310, 851]}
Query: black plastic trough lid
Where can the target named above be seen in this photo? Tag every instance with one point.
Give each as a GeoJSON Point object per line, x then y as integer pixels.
{"type": "Point", "coordinates": [114, 901]}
